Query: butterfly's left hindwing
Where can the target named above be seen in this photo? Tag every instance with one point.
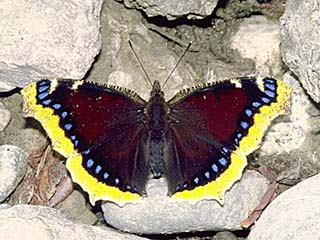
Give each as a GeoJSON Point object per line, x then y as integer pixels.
{"type": "Point", "coordinates": [213, 128]}
{"type": "Point", "coordinates": [99, 130]}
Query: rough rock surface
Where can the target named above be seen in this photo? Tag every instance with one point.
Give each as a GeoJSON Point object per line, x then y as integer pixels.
{"type": "Point", "coordinates": [286, 136]}
{"type": "Point", "coordinates": [258, 38]}
{"type": "Point", "coordinates": [5, 117]}
{"type": "Point", "coordinates": [51, 39]}
{"type": "Point", "coordinates": [157, 214]}
{"type": "Point", "coordinates": [293, 215]}
{"type": "Point", "coordinates": [37, 222]}
{"type": "Point", "coordinates": [75, 209]}
{"type": "Point", "coordinates": [13, 166]}
{"type": "Point", "coordinates": [117, 64]}
{"type": "Point", "coordinates": [300, 42]}
{"type": "Point", "coordinates": [194, 9]}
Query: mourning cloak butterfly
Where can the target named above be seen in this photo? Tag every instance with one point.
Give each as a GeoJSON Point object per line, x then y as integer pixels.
{"type": "Point", "coordinates": [198, 140]}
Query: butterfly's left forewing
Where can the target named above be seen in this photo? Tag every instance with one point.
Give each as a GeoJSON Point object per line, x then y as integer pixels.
{"type": "Point", "coordinates": [99, 130]}
{"type": "Point", "coordinates": [211, 130]}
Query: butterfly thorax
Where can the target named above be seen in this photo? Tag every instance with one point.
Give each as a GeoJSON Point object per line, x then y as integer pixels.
{"type": "Point", "coordinates": [156, 111]}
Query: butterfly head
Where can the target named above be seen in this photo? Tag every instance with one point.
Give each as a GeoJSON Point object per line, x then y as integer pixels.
{"type": "Point", "coordinates": [156, 91]}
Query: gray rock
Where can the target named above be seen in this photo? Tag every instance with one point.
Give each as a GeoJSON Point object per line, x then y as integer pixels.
{"type": "Point", "coordinates": [117, 64]}
{"type": "Point", "coordinates": [193, 9]}
{"type": "Point", "coordinates": [293, 215]}
{"type": "Point", "coordinates": [258, 38]}
{"type": "Point", "coordinates": [47, 39]}
{"type": "Point", "coordinates": [13, 166]}
{"type": "Point", "coordinates": [38, 222]}
{"type": "Point", "coordinates": [286, 136]}
{"type": "Point", "coordinates": [17, 133]}
{"type": "Point", "coordinates": [5, 117]}
{"type": "Point", "coordinates": [158, 214]}
{"type": "Point", "coordinates": [300, 43]}
{"type": "Point", "coordinates": [75, 209]}
{"type": "Point", "coordinates": [225, 236]}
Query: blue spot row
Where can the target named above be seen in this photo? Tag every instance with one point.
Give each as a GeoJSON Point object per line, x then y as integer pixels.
{"type": "Point", "coordinates": [89, 163]}
{"type": "Point", "coordinates": [56, 106]}
{"type": "Point", "coordinates": [64, 115]}
{"type": "Point", "coordinates": [116, 181]}
{"type": "Point", "coordinates": [269, 80]}
{"type": "Point", "coordinates": [44, 82]}
{"type": "Point", "coordinates": [248, 112]}
{"type": "Point", "coordinates": [46, 102]}
{"type": "Point", "coordinates": [106, 175]}
{"type": "Point", "coordinates": [67, 126]}
{"type": "Point", "coordinates": [266, 100]}
{"type": "Point", "coordinates": [256, 104]}
{"type": "Point", "coordinates": [196, 180]}
{"type": "Point", "coordinates": [42, 95]}
{"type": "Point", "coordinates": [43, 88]}
{"type": "Point", "coordinates": [225, 150]}
{"type": "Point", "coordinates": [86, 151]}
{"type": "Point", "coordinates": [244, 124]}
{"type": "Point", "coordinates": [269, 93]}
{"type": "Point", "coordinates": [98, 168]}
{"type": "Point", "coordinates": [270, 86]}
{"type": "Point", "coordinates": [215, 168]}
{"type": "Point", "coordinates": [223, 161]}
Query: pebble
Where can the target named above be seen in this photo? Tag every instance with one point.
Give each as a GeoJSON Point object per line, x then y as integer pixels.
{"type": "Point", "coordinates": [30, 222]}
{"type": "Point", "coordinates": [293, 215]}
{"type": "Point", "coordinates": [64, 43]}
{"type": "Point", "coordinates": [156, 214]}
{"type": "Point", "coordinates": [258, 38]}
{"type": "Point", "coordinates": [174, 9]}
{"type": "Point", "coordinates": [13, 166]}
{"type": "Point", "coordinates": [299, 26]}
{"type": "Point", "coordinates": [5, 117]}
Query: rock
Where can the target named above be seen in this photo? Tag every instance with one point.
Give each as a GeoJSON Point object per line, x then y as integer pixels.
{"type": "Point", "coordinates": [225, 236]}
{"type": "Point", "coordinates": [117, 64]}
{"type": "Point", "coordinates": [172, 10]}
{"type": "Point", "coordinates": [286, 136]}
{"type": "Point", "coordinates": [299, 27]}
{"type": "Point", "coordinates": [38, 222]}
{"type": "Point", "coordinates": [13, 166]}
{"type": "Point", "coordinates": [28, 138]}
{"type": "Point", "coordinates": [63, 44]}
{"type": "Point", "coordinates": [157, 214]}
{"type": "Point", "coordinates": [291, 146]}
{"type": "Point", "coordinates": [258, 38]}
{"type": "Point", "coordinates": [293, 215]}
{"type": "Point", "coordinates": [75, 209]}
{"type": "Point", "coordinates": [5, 117]}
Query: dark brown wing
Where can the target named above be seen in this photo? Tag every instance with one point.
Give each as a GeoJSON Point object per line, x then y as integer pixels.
{"type": "Point", "coordinates": [99, 130]}
{"type": "Point", "coordinates": [213, 128]}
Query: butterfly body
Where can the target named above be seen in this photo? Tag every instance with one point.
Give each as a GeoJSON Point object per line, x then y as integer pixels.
{"type": "Point", "coordinates": [198, 140]}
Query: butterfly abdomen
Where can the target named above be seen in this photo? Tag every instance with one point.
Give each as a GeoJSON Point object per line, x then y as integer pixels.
{"type": "Point", "coordinates": [157, 124]}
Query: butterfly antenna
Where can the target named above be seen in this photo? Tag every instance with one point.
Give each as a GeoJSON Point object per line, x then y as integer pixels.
{"type": "Point", "coordinates": [141, 65]}
{"type": "Point", "coordinates": [182, 56]}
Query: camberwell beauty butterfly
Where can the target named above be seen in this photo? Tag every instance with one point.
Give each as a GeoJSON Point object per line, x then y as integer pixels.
{"type": "Point", "coordinates": [198, 140]}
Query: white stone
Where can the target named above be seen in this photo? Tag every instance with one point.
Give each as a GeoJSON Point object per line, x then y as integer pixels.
{"type": "Point", "coordinates": [37, 222]}
{"type": "Point", "coordinates": [5, 117]}
{"type": "Point", "coordinates": [13, 166]}
{"type": "Point", "coordinates": [287, 136]}
{"type": "Point", "coordinates": [258, 38]}
{"type": "Point", "coordinates": [193, 9]}
{"type": "Point", "coordinates": [47, 39]}
{"type": "Point", "coordinates": [300, 42]}
{"type": "Point", "coordinates": [159, 214]}
{"type": "Point", "coordinates": [293, 215]}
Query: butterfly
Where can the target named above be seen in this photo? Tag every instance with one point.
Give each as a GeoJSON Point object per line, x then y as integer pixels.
{"type": "Point", "coordinates": [198, 140]}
